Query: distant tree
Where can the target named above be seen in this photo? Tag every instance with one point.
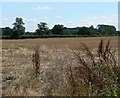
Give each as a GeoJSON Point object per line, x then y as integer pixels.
{"type": "Point", "coordinates": [106, 29]}
{"type": "Point", "coordinates": [7, 31]}
{"type": "Point", "coordinates": [83, 31]}
{"type": "Point", "coordinates": [18, 29]}
{"type": "Point", "coordinates": [57, 29]}
{"type": "Point", "coordinates": [93, 31]}
{"type": "Point", "coordinates": [42, 29]}
{"type": "Point", "coordinates": [67, 31]}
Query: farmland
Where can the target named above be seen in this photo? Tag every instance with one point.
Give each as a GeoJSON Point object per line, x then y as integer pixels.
{"type": "Point", "coordinates": [72, 43]}
{"type": "Point", "coordinates": [56, 56]}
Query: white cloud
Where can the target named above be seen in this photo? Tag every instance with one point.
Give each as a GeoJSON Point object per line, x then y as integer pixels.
{"type": "Point", "coordinates": [110, 20]}
{"type": "Point", "coordinates": [31, 27]}
{"type": "Point", "coordinates": [31, 24]}
{"type": "Point", "coordinates": [31, 21]}
{"type": "Point", "coordinates": [94, 20]}
{"type": "Point", "coordinates": [42, 8]}
{"type": "Point", "coordinates": [6, 22]}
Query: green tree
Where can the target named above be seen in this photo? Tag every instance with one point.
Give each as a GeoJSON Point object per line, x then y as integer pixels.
{"type": "Point", "coordinates": [107, 29]}
{"type": "Point", "coordinates": [57, 29]}
{"type": "Point", "coordinates": [7, 31]}
{"type": "Point", "coordinates": [42, 29]}
{"type": "Point", "coordinates": [93, 31]}
{"type": "Point", "coordinates": [83, 31]}
{"type": "Point", "coordinates": [18, 29]}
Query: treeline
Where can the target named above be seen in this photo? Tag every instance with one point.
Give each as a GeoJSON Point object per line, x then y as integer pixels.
{"type": "Point", "coordinates": [43, 31]}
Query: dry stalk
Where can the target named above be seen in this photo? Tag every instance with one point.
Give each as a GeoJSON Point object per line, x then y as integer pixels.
{"type": "Point", "coordinates": [36, 62]}
{"type": "Point", "coordinates": [98, 75]}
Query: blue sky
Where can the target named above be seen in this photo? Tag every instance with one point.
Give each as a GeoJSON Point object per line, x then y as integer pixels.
{"type": "Point", "coordinates": [70, 14]}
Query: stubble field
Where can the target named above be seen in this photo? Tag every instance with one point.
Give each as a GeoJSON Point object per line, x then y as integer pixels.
{"type": "Point", "coordinates": [56, 56]}
{"type": "Point", "coordinates": [60, 43]}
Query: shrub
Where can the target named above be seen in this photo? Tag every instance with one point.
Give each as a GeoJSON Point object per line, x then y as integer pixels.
{"type": "Point", "coordinates": [99, 72]}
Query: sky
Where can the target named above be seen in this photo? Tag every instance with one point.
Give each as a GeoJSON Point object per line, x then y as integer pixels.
{"type": "Point", "coordinates": [70, 14]}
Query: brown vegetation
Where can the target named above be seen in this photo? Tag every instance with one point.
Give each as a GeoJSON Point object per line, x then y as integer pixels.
{"type": "Point", "coordinates": [43, 71]}
{"type": "Point", "coordinates": [59, 43]}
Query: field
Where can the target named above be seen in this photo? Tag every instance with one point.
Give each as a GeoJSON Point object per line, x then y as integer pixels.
{"type": "Point", "coordinates": [60, 43]}
{"type": "Point", "coordinates": [55, 62]}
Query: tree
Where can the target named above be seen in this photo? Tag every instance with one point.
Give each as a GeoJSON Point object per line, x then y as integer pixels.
{"type": "Point", "coordinates": [7, 31]}
{"type": "Point", "coordinates": [42, 29]}
{"type": "Point", "coordinates": [18, 29]}
{"type": "Point", "coordinates": [93, 31]}
{"type": "Point", "coordinates": [57, 29]}
{"type": "Point", "coordinates": [83, 31]}
{"type": "Point", "coordinates": [106, 29]}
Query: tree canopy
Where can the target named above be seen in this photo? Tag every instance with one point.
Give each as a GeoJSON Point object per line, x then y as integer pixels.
{"type": "Point", "coordinates": [42, 29]}
{"type": "Point", "coordinates": [18, 29]}
{"type": "Point", "coordinates": [58, 30]}
{"type": "Point", "coordinates": [106, 29]}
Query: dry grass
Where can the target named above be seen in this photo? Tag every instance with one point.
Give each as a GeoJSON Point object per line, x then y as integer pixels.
{"type": "Point", "coordinates": [56, 69]}
{"type": "Point", "coordinates": [100, 76]}
{"type": "Point", "coordinates": [59, 43]}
